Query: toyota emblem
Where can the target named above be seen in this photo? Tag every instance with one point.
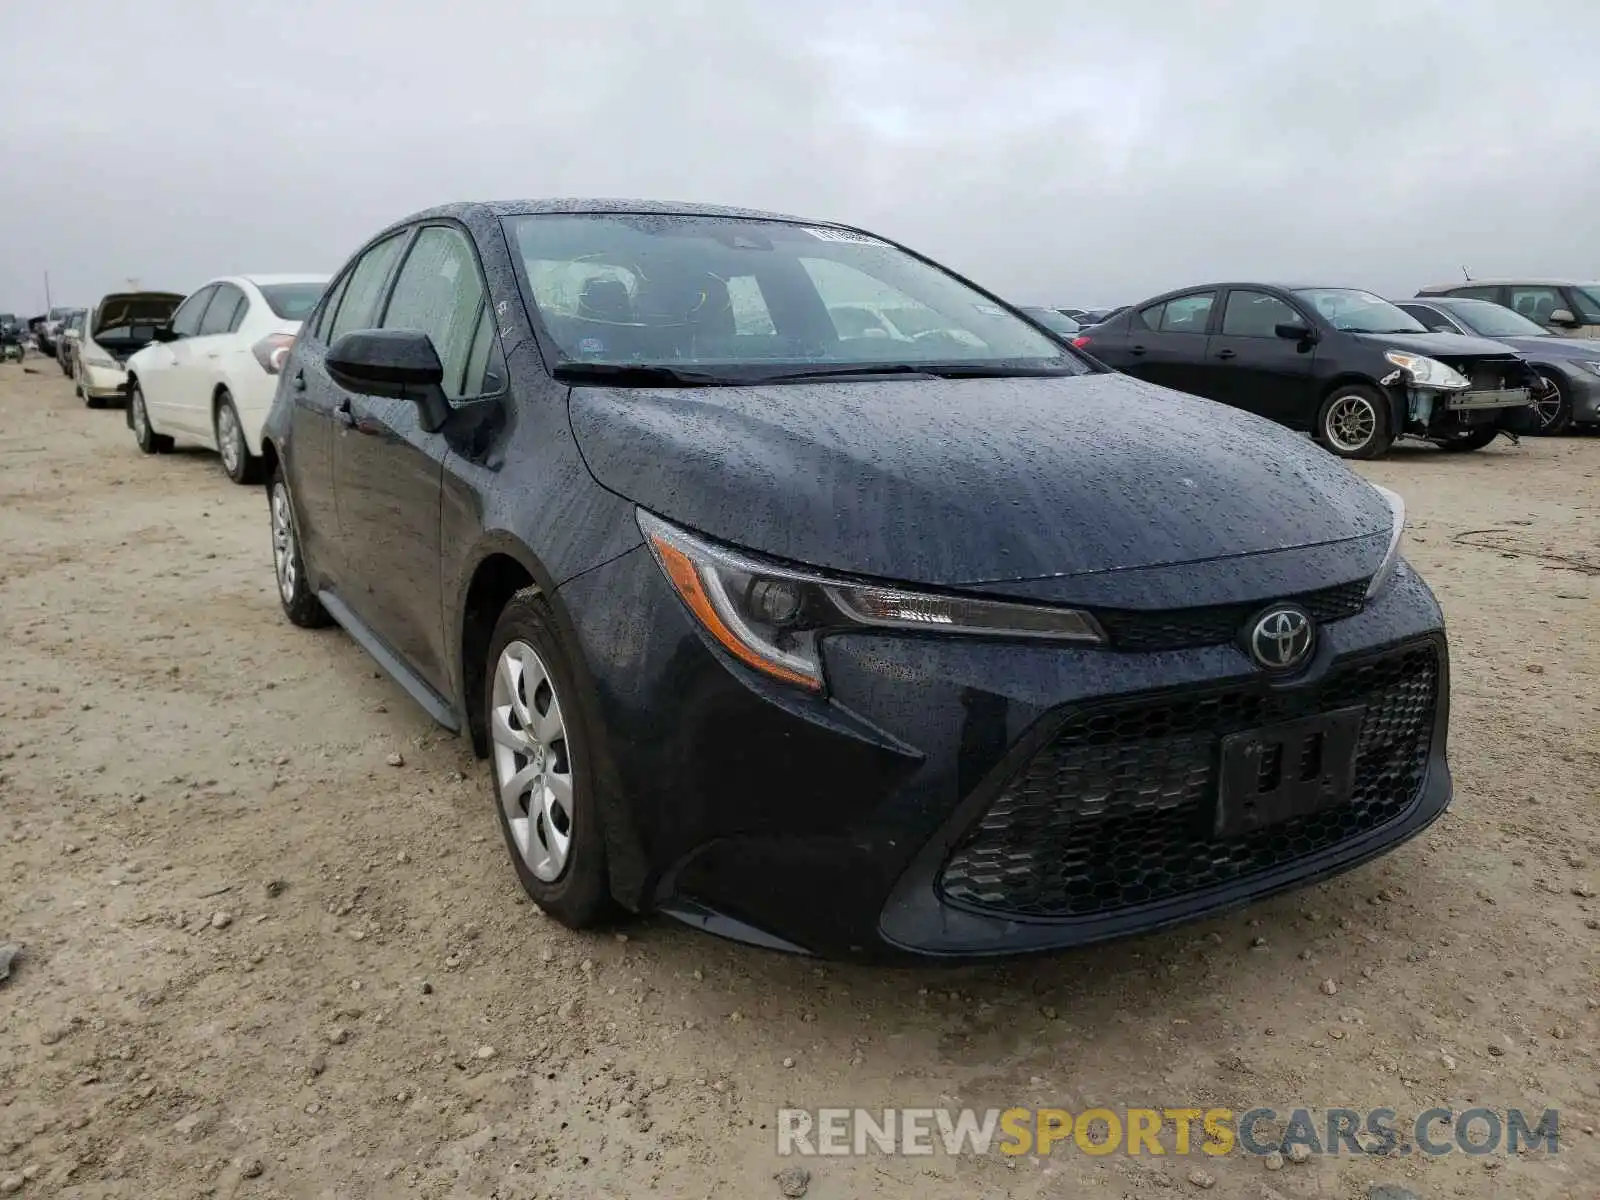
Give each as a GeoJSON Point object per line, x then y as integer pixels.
{"type": "Point", "coordinates": [1281, 639]}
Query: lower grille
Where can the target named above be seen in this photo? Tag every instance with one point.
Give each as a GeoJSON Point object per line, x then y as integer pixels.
{"type": "Point", "coordinates": [1219, 624]}
{"type": "Point", "coordinates": [1117, 811]}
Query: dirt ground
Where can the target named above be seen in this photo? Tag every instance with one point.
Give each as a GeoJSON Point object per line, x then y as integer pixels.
{"type": "Point", "coordinates": [259, 960]}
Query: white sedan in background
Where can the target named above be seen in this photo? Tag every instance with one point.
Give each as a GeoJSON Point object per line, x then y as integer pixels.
{"type": "Point", "coordinates": [210, 374]}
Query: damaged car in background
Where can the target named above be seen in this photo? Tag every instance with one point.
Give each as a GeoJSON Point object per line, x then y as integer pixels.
{"type": "Point", "coordinates": [1343, 364]}
{"type": "Point", "coordinates": [121, 325]}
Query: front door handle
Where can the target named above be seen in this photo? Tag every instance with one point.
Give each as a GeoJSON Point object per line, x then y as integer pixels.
{"type": "Point", "coordinates": [1226, 354]}
{"type": "Point", "coordinates": [1135, 349]}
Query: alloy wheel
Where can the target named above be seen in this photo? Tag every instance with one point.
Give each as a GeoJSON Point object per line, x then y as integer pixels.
{"type": "Point", "coordinates": [532, 766]}
{"type": "Point", "coordinates": [141, 423]}
{"type": "Point", "coordinates": [1548, 403]}
{"type": "Point", "coordinates": [228, 438]}
{"type": "Point", "coordinates": [1351, 423]}
{"type": "Point", "coordinates": [283, 547]}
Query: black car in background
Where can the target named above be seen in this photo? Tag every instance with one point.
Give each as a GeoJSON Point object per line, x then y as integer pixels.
{"type": "Point", "coordinates": [1052, 319]}
{"type": "Point", "coordinates": [1568, 367]}
{"type": "Point", "coordinates": [1341, 363]}
{"type": "Point", "coordinates": [954, 644]}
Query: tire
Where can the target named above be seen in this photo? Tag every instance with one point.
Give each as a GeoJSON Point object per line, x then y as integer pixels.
{"type": "Point", "coordinates": [1353, 422]}
{"type": "Point", "coordinates": [300, 603]}
{"type": "Point", "coordinates": [237, 461]}
{"type": "Point", "coordinates": [1554, 418]}
{"type": "Point", "coordinates": [147, 438]}
{"type": "Point", "coordinates": [1476, 440]}
{"type": "Point", "coordinates": [552, 825]}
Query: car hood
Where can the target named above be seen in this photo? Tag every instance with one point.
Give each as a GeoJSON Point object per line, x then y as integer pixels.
{"type": "Point", "coordinates": [1436, 344]}
{"type": "Point", "coordinates": [1552, 348]}
{"type": "Point", "coordinates": [134, 308]}
{"type": "Point", "coordinates": [966, 482]}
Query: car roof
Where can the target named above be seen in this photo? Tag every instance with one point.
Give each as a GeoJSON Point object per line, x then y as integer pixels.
{"type": "Point", "coordinates": [462, 210]}
{"type": "Point", "coordinates": [1519, 281]}
{"type": "Point", "coordinates": [258, 280]}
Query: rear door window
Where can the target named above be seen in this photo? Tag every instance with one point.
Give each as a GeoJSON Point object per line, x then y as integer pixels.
{"type": "Point", "coordinates": [227, 304]}
{"type": "Point", "coordinates": [1187, 314]}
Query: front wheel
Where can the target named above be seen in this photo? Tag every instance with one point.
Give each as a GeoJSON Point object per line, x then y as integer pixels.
{"type": "Point", "coordinates": [300, 603]}
{"type": "Point", "coordinates": [1354, 422]}
{"type": "Point", "coordinates": [237, 461]}
{"type": "Point", "coordinates": [148, 439]}
{"type": "Point", "coordinates": [1476, 440]}
{"type": "Point", "coordinates": [1554, 405]}
{"type": "Point", "coordinates": [543, 772]}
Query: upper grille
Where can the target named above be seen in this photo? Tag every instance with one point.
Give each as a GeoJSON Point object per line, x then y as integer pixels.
{"type": "Point", "coordinates": [1215, 625]}
{"type": "Point", "coordinates": [1117, 810]}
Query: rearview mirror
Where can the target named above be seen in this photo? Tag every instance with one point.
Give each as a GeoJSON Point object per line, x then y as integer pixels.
{"type": "Point", "coordinates": [1442, 329]}
{"type": "Point", "coordinates": [400, 364]}
{"type": "Point", "coordinates": [1294, 331]}
{"type": "Point", "coordinates": [1561, 316]}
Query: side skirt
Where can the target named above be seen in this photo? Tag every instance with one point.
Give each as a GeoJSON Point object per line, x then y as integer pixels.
{"type": "Point", "coordinates": [435, 705]}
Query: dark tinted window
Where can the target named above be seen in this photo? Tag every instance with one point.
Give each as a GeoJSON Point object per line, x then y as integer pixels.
{"type": "Point", "coordinates": [1477, 293]}
{"type": "Point", "coordinates": [186, 321]}
{"type": "Point", "coordinates": [292, 301]}
{"type": "Point", "coordinates": [1186, 314]}
{"type": "Point", "coordinates": [358, 307]}
{"type": "Point", "coordinates": [1257, 314]}
{"type": "Point", "coordinates": [438, 292]}
{"type": "Point", "coordinates": [227, 304]}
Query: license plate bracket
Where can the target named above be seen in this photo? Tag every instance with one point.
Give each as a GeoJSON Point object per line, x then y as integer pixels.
{"type": "Point", "coordinates": [1292, 769]}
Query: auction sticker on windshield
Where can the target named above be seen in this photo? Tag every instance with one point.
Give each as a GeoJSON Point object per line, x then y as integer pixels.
{"type": "Point", "coordinates": [841, 235]}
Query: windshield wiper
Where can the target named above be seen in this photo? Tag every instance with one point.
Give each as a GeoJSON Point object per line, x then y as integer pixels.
{"type": "Point", "coordinates": [930, 370]}
{"type": "Point", "coordinates": [637, 375]}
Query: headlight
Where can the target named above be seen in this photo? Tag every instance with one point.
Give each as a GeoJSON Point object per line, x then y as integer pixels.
{"type": "Point", "coordinates": [1427, 372]}
{"type": "Point", "coordinates": [1593, 366]}
{"type": "Point", "coordinates": [1382, 577]}
{"type": "Point", "coordinates": [91, 360]}
{"type": "Point", "coordinates": [771, 617]}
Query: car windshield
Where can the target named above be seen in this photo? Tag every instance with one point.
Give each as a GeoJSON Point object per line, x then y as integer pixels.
{"type": "Point", "coordinates": [292, 301]}
{"type": "Point", "coordinates": [1053, 320]}
{"type": "Point", "coordinates": [1587, 298]}
{"type": "Point", "coordinates": [1488, 319]}
{"type": "Point", "coordinates": [1351, 310]}
{"type": "Point", "coordinates": [734, 299]}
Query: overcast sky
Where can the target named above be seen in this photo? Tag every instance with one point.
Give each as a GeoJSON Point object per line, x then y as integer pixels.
{"type": "Point", "coordinates": [1059, 152]}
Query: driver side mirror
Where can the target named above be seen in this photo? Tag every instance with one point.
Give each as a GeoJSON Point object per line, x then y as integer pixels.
{"type": "Point", "coordinates": [1295, 331]}
{"type": "Point", "coordinates": [1561, 316]}
{"type": "Point", "coordinates": [164, 333]}
{"type": "Point", "coordinates": [400, 364]}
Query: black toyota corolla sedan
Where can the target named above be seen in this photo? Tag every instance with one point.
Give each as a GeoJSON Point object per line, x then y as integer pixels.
{"type": "Point", "coordinates": [945, 644]}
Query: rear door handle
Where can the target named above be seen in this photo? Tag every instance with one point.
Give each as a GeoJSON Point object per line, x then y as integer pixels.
{"type": "Point", "coordinates": [1226, 354]}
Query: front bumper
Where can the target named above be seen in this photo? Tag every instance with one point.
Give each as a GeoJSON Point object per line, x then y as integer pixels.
{"type": "Point", "coordinates": [104, 383]}
{"type": "Point", "coordinates": [828, 826]}
{"type": "Point", "coordinates": [1585, 389]}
